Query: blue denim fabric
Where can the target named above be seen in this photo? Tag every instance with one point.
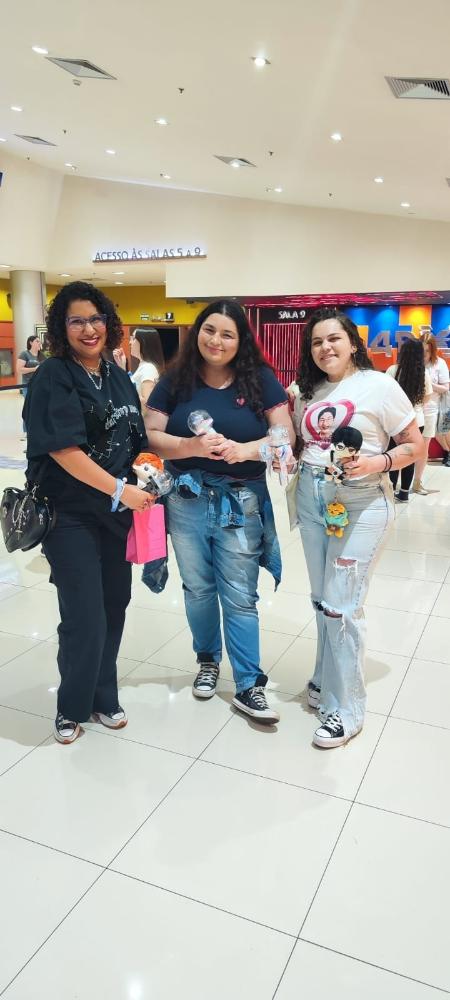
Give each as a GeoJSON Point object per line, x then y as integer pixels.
{"type": "Point", "coordinates": [219, 565]}
{"type": "Point", "coordinates": [342, 588]}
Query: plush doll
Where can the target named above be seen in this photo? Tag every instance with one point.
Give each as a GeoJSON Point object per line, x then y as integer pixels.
{"type": "Point", "coordinates": [345, 443]}
{"type": "Point", "coordinates": [336, 519]}
{"type": "Point", "coordinates": [151, 474]}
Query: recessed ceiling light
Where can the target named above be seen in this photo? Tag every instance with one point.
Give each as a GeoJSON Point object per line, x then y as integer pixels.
{"type": "Point", "coordinates": [260, 61]}
{"type": "Point", "coordinates": [5, 266]}
{"type": "Point", "coordinates": [405, 204]}
{"type": "Point", "coordinates": [111, 152]}
{"type": "Point", "coordinates": [64, 275]}
{"type": "Point", "coordinates": [118, 282]}
{"type": "Point", "coordinates": [2, 140]}
{"type": "Point", "coordinates": [165, 177]}
{"type": "Point", "coordinates": [336, 137]}
{"type": "Point", "coordinates": [161, 121]}
{"type": "Point", "coordinates": [379, 180]}
{"type": "Point", "coordinates": [235, 164]}
{"type": "Point", "coordinates": [40, 51]}
{"type": "Point", "coordinates": [15, 107]}
{"type": "Point", "coordinates": [118, 272]}
{"type": "Point", "coordinates": [278, 190]}
{"type": "Point", "coordinates": [68, 164]}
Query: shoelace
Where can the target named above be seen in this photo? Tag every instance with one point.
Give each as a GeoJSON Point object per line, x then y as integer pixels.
{"type": "Point", "coordinates": [65, 724]}
{"type": "Point", "coordinates": [207, 675]}
{"type": "Point", "coordinates": [334, 722]}
{"type": "Point", "coordinates": [257, 693]}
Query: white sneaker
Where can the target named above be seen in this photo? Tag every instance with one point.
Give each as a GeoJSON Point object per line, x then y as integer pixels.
{"type": "Point", "coordinates": [112, 720]}
{"type": "Point", "coordinates": [331, 733]}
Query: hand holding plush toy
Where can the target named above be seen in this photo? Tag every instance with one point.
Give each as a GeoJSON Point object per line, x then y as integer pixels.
{"type": "Point", "coordinates": [151, 474]}
{"type": "Point", "coordinates": [345, 444]}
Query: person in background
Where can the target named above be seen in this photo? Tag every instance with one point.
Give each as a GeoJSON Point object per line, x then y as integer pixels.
{"type": "Point", "coordinates": [219, 515]}
{"type": "Point", "coordinates": [145, 346]}
{"type": "Point", "coordinates": [84, 430]}
{"type": "Point", "coordinates": [438, 372]}
{"type": "Point", "coordinates": [415, 381]}
{"type": "Point", "coordinates": [336, 372]}
{"type": "Point", "coordinates": [27, 364]}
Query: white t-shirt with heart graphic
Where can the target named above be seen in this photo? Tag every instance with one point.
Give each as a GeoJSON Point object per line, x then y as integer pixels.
{"type": "Point", "coordinates": [367, 400]}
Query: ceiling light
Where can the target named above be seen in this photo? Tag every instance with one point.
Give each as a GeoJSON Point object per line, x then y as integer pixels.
{"type": "Point", "coordinates": [235, 164]}
{"type": "Point", "coordinates": [118, 282]}
{"type": "Point", "coordinates": [118, 272]}
{"type": "Point", "coordinates": [64, 275]}
{"type": "Point", "coordinates": [405, 204]}
{"type": "Point", "coordinates": [5, 266]}
{"type": "Point", "coordinates": [260, 61]}
{"type": "Point", "coordinates": [165, 177]}
{"type": "Point", "coordinates": [39, 50]}
{"type": "Point", "coordinates": [15, 107]}
{"type": "Point", "coordinates": [2, 140]}
{"type": "Point", "coordinates": [336, 137]}
{"type": "Point", "coordinates": [68, 164]}
{"type": "Point", "coordinates": [278, 190]}
{"type": "Point", "coordinates": [379, 180]}
{"type": "Point", "coordinates": [111, 152]}
{"type": "Point", "coordinates": [161, 121]}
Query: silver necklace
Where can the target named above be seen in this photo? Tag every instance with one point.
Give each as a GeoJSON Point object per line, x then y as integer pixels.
{"type": "Point", "coordinates": [96, 371]}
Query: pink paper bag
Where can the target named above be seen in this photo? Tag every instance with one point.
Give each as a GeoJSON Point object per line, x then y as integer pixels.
{"type": "Point", "coordinates": [147, 535]}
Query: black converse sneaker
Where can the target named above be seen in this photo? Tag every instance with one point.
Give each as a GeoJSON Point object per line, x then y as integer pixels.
{"type": "Point", "coordinates": [205, 682]}
{"type": "Point", "coordinates": [312, 695]}
{"type": "Point", "coordinates": [64, 730]}
{"type": "Point", "coordinates": [253, 702]}
{"type": "Point", "coordinates": [112, 720]}
{"type": "Point", "coordinates": [331, 734]}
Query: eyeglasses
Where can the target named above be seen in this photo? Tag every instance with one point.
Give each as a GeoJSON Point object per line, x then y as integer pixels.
{"type": "Point", "coordinates": [78, 324]}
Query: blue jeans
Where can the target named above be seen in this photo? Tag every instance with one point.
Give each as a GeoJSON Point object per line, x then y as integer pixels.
{"type": "Point", "coordinates": [339, 572]}
{"type": "Point", "coordinates": [220, 564]}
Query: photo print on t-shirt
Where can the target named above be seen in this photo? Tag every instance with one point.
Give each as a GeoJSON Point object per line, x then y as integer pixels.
{"type": "Point", "coordinates": [321, 419]}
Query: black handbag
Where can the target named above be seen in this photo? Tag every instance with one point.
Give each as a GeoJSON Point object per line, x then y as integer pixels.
{"type": "Point", "coordinates": [25, 518]}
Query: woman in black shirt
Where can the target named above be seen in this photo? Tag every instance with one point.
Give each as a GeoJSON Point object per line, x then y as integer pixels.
{"type": "Point", "coordinates": [85, 429]}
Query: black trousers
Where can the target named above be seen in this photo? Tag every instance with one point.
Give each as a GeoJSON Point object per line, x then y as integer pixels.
{"type": "Point", "coordinates": [87, 559]}
{"type": "Point", "coordinates": [406, 474]}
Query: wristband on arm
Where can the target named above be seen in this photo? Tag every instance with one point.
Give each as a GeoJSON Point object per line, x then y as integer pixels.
{"type": "Point", "coordinates": [115, 499]}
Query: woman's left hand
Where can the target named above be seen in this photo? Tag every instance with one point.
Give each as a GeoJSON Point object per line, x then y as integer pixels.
{"type": "Point", "coordinates": [361, 465]}
{"type": "Point", "coordinates": [232, 452]}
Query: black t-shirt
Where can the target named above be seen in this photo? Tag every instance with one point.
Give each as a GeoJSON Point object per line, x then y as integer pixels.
{"type": "Point", "coordinates": [31, 361]}
{"type": "Point", "coordinates": [231, 415]}
{"type": "Point", "coordinates": [63, 409]}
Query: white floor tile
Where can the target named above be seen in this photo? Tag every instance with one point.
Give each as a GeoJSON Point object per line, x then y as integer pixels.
{"type": "Point", "coordinates": [282, 612]}
{"type": "Point", "coordinates": [435, 644]}
{"type": "Point", "coordinates": [248, 846]}
{"type": "Point", "coordinates": [311, 966]}
{"type": "Point", "coordinates": [153, 944]}
{"type": "Point", "coordinates": [39, 886]}
{"type": "Point", "coordinates": [425, 694]}
{"type": "Point", "coordinates": [14, 645]}
{"type": "Point", "coordinates": [409, 772]}
{"type": "Point", "coordinates": [32, 613]}
{"type": "Point", "coordinates": [88, 798]}
{"type": "Point", "coordinates": [442, 606]}
{"type": "Point", "coordinates": [19, 733]}
{"type": "Point", "coordinates": [419, 541]}
{"type": "Point", "coordinates": [387, 630]}
{"type": "Point", "coordinates": [146, 631]}
{"type": "Point", "coordinates": [23, 569]}
{"type": "Point", "coordinates": [413, 565]}
{"type": "Point", "coordinates": [8, 590]}
{"type": "Point", "coordinates": [178, 652]}
{"type": "Point", "coordinates": [163, 712]}
{"type": "Point", "coordinates": [286, 752]}
{"type": "Point", "coordinates": [385, 881]}
{"type": "Point", "coordinates": [402, 595]}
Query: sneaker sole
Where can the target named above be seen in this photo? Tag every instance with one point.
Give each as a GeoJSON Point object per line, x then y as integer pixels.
{"type": "Point", "coordinates": [203, 694]}
{"type": "Point", "coordinates": [66, 740]}
{"type": "Point", "coordinates": [329, 742]}
{"type": "Point", "coordinates": [269, 716]}
{"type": "Point", "coordinates": [95, 717]}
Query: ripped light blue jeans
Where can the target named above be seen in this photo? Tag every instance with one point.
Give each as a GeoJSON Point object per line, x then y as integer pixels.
{"type": "Point", "coordinates": [339, 572]}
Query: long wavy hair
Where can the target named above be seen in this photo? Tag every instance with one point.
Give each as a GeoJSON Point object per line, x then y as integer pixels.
{"type": "Point", "coordinates": [247, 363]}
{"type": "Point", "coordinates": [309, 374]}
{"type": "Point", "coordinates": [56, 317]}
{"type": "Point", "coordinates": [410, 373]}
{"type": "Point", "coordinates": [150, 346]}
{"type": "Point", "coordinates": [427, 338]}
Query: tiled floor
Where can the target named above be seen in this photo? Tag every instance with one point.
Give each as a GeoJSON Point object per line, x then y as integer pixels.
{"type": "Point", "coordinates": [195, 856]}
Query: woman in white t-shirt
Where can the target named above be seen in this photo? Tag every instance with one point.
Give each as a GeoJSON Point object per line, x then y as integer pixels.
{"type": "Point", "coordinates": [145, 345]}
{"type": "Point", "coordinates": [416, 383]}
{"type": "Point", "coordinates": [336, 374]}
{"type": "Point", "coordinates": [438, 372]}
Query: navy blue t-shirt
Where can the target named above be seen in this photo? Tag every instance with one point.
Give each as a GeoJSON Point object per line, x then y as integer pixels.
{"type": "Point", "coordinates": [231, 415]}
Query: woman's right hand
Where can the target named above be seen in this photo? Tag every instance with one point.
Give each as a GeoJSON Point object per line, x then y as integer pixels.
{"type": "Point", "coordinates": [136, 499]}
{"type": "Point", "coordinates": [120, 358]}
{"type": "Point", "coordinates": [206, 445]}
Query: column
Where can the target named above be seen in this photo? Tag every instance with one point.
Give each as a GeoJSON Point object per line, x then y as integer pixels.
{"type": "Point", "coordinates": [28, 304]}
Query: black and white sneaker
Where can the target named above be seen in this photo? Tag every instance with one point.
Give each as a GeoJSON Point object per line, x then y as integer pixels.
{"type": "Point", "coordinates": [312, 695]}
{"type": "Point", "coordinates": [402, 496]}
{"type": "Point", "coordinates": [64, 730]}
{"type": "Point", "coordinates": [331, 734]}
{"type": "Point", "coordinates": [253, 702]}
{"type": "Point", "coordinates": [112, 720]}
{"type": "Point", "coordinates": [205, 682]}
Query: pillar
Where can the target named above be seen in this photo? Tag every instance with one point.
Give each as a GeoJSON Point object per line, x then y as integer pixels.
{"type": "Point", "coordinates": [28, 304]}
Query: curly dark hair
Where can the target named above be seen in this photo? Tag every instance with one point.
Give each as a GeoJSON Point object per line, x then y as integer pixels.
{"type": "Point", "coordinates": [309, 374]}
{"type": "Point", "coordinates": [410, 373]}
{"type": "Point", "coordinates": [56, 317]}
{"type": "Point", "coordinates": [185, 371]}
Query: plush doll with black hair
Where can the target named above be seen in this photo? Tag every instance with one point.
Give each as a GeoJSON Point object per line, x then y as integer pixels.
{"type": "Point", "coordinates": [345, 443]}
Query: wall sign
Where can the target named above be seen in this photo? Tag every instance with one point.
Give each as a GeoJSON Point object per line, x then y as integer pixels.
{"type": "Point", "coordinates": [281, 315]}
{"type": "Point", "coordinates": [148, 253]}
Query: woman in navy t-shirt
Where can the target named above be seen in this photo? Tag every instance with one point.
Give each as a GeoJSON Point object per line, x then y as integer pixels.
{"type": "Point", "coordinates": [219, 516]}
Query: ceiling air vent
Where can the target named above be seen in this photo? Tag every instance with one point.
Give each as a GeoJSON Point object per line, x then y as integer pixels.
{"type": "Point", "coordinates": [235, 161]}
{"type": "Point", "coordinates": [81, 67]}
{"type": "Point", "coordinates": [419, 88]}
{"type": "Point", "coordinates": [35, 139]}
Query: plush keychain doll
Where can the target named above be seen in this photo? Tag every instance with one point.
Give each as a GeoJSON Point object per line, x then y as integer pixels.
{"type": "Point", "coordinates": [345, 443]}
{"type": "Point", "coordinates": [336, 519]}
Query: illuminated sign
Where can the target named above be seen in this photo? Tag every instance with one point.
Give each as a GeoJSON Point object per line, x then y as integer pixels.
{"type": "Point", "coordinates": [148, 254]}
